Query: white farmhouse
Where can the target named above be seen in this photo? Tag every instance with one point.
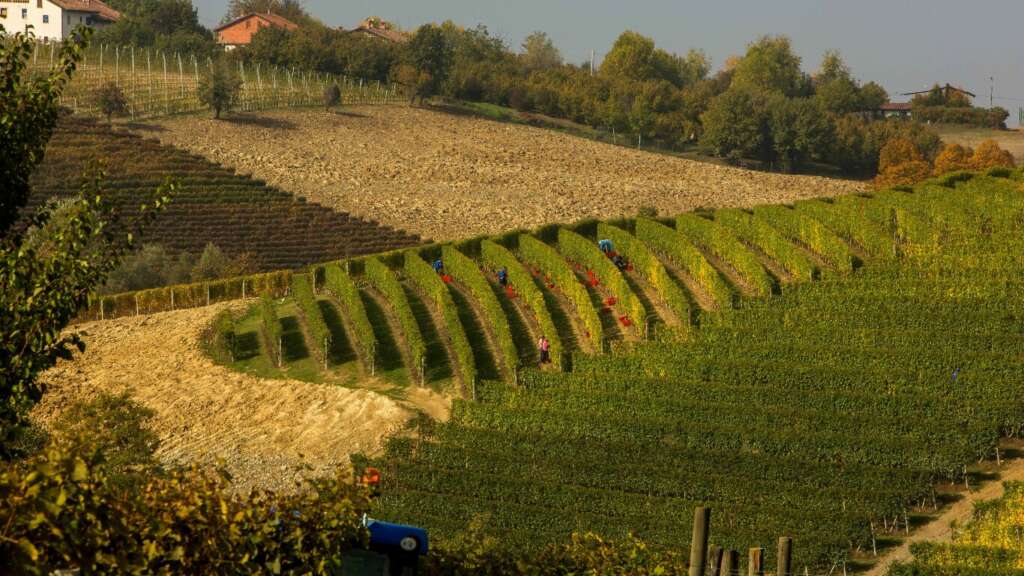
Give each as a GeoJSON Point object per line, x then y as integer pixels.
{"type": "Point", "coordinates": [54, 19]}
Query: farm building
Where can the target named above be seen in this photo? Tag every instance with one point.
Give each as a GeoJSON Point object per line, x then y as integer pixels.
{"type": "Point", "coordinates": [375, 27]}
{"type": "Point", "coordinates": [54, 19]}
{"type": "Point", "coordinates": [901, 110]}
{"type": "Point", "coordinates": [239, 32]}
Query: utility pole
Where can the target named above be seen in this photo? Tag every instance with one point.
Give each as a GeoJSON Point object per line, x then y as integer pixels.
{"type": "Point", "coordinates": [591, 61]}
{"type": "Point", "coordinates": [991, 92]}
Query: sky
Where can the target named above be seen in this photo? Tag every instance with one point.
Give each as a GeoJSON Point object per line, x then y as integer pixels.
{"type": "Point", "coordinates": [904, 45]}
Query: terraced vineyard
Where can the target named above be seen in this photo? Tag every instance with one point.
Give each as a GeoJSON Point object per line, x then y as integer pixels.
{"type": "Point", "coordinates": [990, 545]}
{"type": "Point", "coordinates": [890, 357]}
{"type": "Point", "coordinates": [213, 204]}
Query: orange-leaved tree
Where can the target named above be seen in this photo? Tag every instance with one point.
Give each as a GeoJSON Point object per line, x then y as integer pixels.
{"type": "Point", "coordinates": [952, 158]}
{"type": "Point", "coordinates": [901, 163]}
{"type": "Point", "coordinates": [990, 155]}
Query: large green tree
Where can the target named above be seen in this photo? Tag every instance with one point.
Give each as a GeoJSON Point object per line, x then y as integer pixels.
{"type": "Point", "coordinates": [43, 283]}
{"type": "Point", "coordinates": [171, 25]}
{"type": "Point", "coordinates": [540, 53]}
{"type": "Point", "coordinates": [428, 54]}
{"type": "Point", "coordinates": [737, 125]}
{"type": "Point", "coordinates": [635, 57]}
{"type": "Point", "coordinates": [771, 64]}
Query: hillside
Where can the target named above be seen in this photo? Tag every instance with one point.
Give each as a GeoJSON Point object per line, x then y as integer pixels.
{"type": "Point", "coordinates": [447, 177]}
{"type": "Point", "coordinates": [892, 357]}
{"type": "Point", "coordinates": [213, 205]}
{"type": "Point", "coordinates": [1012, 140]}
{"type": "Point", "coordinates": [263, 430]}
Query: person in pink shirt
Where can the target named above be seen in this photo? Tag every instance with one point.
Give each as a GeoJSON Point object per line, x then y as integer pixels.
{"type": "Point", "coordinates": [545, 349]}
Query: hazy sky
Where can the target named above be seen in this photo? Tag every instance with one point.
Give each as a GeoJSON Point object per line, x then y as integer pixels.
{"type": "Point", "coordinates": [903, 44]}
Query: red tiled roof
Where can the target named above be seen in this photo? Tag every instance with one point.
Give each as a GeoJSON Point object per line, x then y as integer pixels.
{"type": "Point", "coordinates": [91, 6]}
{"type": "Point", "coordinates": [269, 17]}
{"type": "Point", "coordinates": [390, 35]}
{"type": "Point", "coordinates": [896, 106]}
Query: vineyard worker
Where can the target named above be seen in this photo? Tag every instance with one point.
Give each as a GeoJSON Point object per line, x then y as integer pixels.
{"type": "Point", "coordinates": [545, 349]}
{"type": "Point", "coordinates": [605, 245]}
{"type": "Point", "coordinates": [503, 277]}
{"type": "Point", "coordinates": [439, 266]}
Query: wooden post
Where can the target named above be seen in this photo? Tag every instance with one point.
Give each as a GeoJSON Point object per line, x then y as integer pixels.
{"type": "Point", "coordinates": [714, 560]}
{"type": "Point", "coordinates": [136, 303]}
{"type": "Point", "coordinates": [243, 288]}
{"type": "Point", "coordinates": [699, 543]}
{"type": "Point", "coordinates": [785, 561]}
{"type": "Point", "coordinates": [207, 294]}
{"type": "Point", "coordinates": [730, 563]}
{"type": "Point", "coordinates": [172, 298]}
{"type": "Point", "coordinates": [755, 559]}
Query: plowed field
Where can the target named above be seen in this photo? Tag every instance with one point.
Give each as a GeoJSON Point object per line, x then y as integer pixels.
{"type": "Point", "coordinates": [447, 177]}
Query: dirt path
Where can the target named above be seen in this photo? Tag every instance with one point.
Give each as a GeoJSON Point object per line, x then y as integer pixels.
{"type": "Point", "coordinates": [262, 429]}
{"type": "Point", "coordinates": [448, 177]}
{"type": "Point", "coordinates": [941, 529]}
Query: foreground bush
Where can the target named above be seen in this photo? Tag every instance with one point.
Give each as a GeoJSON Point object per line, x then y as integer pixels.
{"type": "Point", "coordinates": [61, 509]}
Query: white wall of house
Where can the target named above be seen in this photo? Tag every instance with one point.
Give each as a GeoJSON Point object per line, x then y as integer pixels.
{"type": "Point", "coordinates": [43, 16]}
{"type": "Point", "coordinates": [48, 21]}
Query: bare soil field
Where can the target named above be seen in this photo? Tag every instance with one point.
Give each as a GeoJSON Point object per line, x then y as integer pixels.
{"type": "Point", "coordinates": [1012, 140]}
{"type": "Point", "coordinates": [263, 430]}
{"type": "Point", "coordinates": [447, 177]}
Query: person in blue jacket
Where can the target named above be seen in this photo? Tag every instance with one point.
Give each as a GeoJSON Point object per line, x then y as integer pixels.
{"type": "Point", "coordinates": [439, 266]}
{"type": "Point", "coordinates": [605, 245]}
{"type": "Point", "coordinates": [503, 277]}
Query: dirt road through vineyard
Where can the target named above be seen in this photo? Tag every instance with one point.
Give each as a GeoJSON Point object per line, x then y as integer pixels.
{"type": "Point", "coordinates": [958, 513]}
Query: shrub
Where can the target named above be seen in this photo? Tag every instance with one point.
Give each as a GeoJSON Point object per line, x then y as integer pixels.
{"type": "Point", "coordinates": [720, 241]}
{"type": "Point", "coordinates": [332, 96]}
{"type": "Point", "coordinates": [339, 283]}
{"type": "Point", "coordinates": [586, 253]}
{"type": "Point", "coordinates": [67, 510]}
{"type": "Point", "coordinates": [953, 157]}
{"type": "Point", "coordinates": [647, 264]}
{"type": "Point", "coordinates": [810, 233]}
{"type": "Point", "coordinates": [903, 174]}
{"type": "Point", "coordinates": [497, 256]}
{"type": "Point", "coordinates": [302, 291]}
{"type": "Point", "coordinates": [560, 276]}
{"type": "Point", "coordinates": [466, 271]}
{"type": "Point", "coordinates": [384, 280]}
{"type": "Point", "coordinates": [759, 233]}
{"type": "Point", "coordinates": [111, 100]}
{"type": "Point", "coordinates": [116, 426]}
{"type": "Point", "coordinates": [990, 155]}
{"type": "Point", "coordinates": [897, 151]}
{"type": "Point", "coordinates": [219, 88]}
{"type": "Point", "coordinates": [222, 345]}
{"type": "Point", "coordinates": [270, 328]}
{"type": "Point", "coordinates": [423, 275]}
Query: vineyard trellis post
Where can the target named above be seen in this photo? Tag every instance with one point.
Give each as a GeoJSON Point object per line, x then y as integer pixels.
{"type": "Point", "coordinates": [167, 95]}
{"type": "Point", "coordinates": [241, 75]}
{"type": "Point", "coordinates": [785, 558]}
{"type": "Point", "coordinates": [755, 560]}
{"type": "Point", "coordinates": [699, 543]}
{"type": "Point", "coordinates": [149, 80]}
{"type": "Point", "coordinates": [730, 563]}
{"type": "Point", "coordinates": [132, 105]}
{"type": "Point", "coordinates": [117, 66]}
{"type": "Point", "coordinates": [181, 80]}
{"type": "Point", "coordinates": [51, 56]}
{"type": "Point", "coordinates": [715, 561]}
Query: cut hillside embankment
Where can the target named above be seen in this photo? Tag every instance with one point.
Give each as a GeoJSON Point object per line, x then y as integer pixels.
{"type": "Point", "coordinates": [447, 177]}
{"type": "Point", "coordinates": [262, 429]}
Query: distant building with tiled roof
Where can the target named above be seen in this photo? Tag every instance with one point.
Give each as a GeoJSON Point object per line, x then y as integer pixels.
{"type": "Point", "coordinates": [239, 32]}
{"type": "Point", "coordinates": [375, 27]}
{"type": "Point", "coordinates": [55, 19]}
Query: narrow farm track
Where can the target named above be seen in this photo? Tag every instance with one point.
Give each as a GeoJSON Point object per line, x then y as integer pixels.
{"type": "Point", "coordinates": [941, 529]}
{"type": "Point", "coordinates": [262, 429]}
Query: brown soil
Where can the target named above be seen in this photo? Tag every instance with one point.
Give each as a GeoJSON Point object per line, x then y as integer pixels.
{"type": "Point", "coordinates": [446, 177]}
{"type": "Point", "coordinates": [262, 429]}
